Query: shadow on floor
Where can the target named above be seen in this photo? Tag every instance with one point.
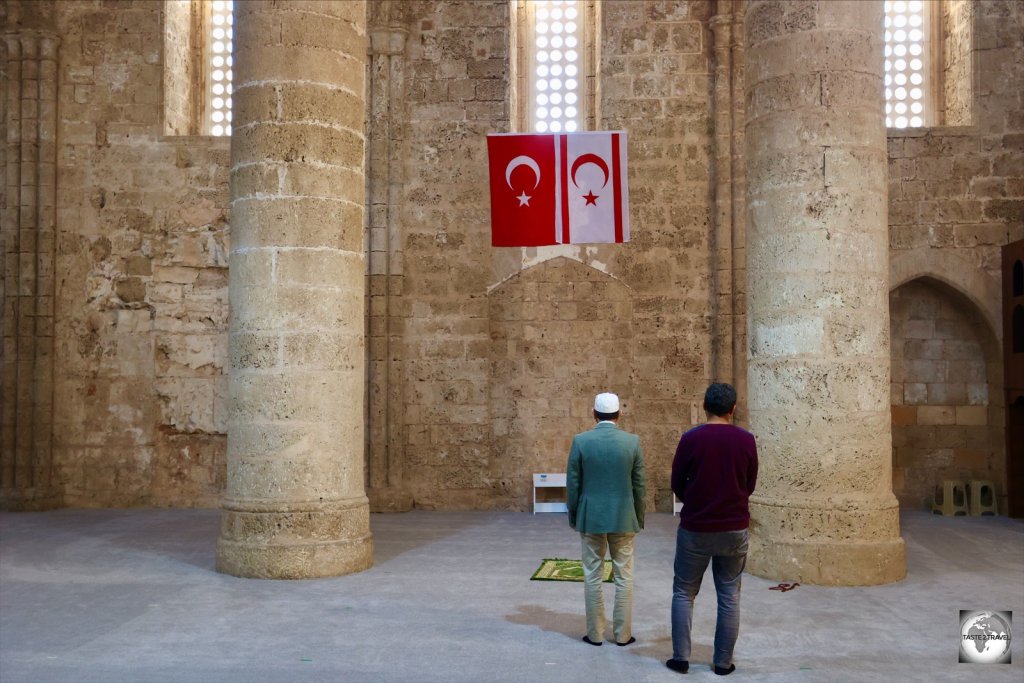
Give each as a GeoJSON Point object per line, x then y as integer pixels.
{"type": "Point", "coordinates": [548, 620]}
{"type": "Point", "coordinates": [396, 533]}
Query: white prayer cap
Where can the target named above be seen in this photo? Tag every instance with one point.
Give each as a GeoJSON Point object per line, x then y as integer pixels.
{"type": "Point", "coordinates": [606, 403]}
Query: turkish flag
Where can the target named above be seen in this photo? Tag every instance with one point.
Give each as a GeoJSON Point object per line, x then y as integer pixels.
{"type": "Point", "coordinates": [558, 188]}
{"type": "Point", "coordinates": [524, 190]}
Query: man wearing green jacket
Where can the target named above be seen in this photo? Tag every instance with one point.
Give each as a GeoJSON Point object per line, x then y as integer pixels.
{"type": "Point", "coordinates": [606, 485]}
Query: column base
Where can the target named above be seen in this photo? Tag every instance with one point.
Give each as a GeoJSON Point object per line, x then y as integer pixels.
{"type": "Point", "coordinates": [295, 544]}
{"type": "Point", "coordinates": [29, 500]}
{"type": "Point", "coordinates": [851, 540]}
{"type": "Point", "coordinates": [829, 562]}
{"type": "Point", "coordinates": [389, 500]}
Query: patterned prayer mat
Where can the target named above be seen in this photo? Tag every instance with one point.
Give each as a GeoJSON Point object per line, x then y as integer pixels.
{"type": "Point", "coordinates": [557, 569]}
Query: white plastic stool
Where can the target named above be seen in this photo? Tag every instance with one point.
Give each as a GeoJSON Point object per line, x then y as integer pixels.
{"type": "Point", "coordinates": [981, 498]}
{"type": "Point", "coordinates": [950, 499]}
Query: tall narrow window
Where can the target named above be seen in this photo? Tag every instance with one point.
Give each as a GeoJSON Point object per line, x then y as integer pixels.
{"type": "Point", "coordinates": [909, 96]}
{"type": "Point", "coordinates": [218, 68]}
{"type": "Point", "coordinates": [197, 67]}
{"type": "Point", "coordinates": [556, 66]}
{"type": "Point", "coordinates": [556, 47]}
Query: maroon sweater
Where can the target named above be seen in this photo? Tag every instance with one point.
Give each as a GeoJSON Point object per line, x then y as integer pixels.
{"type": "Point", "coordinates": [713, 474]}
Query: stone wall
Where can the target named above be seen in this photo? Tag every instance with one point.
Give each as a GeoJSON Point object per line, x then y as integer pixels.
{"type": "Point", "coordinates": [456, 84]}
{"type": "Point", "coordinates": [179, 67]}
{"type": "Point", "coordinates": [479, 421]}
{"type": "Point", "coordinates": [542, 387]}
{"type": "Point", "coordinates": [31, 54]}
{"type": "Point", "coordinates": [961, 188]}
{"type": "Point", "coordinates": [142, 232]}
{"type": "Point", "coordinates": [956, 195]}
{"type": "Point", "coordinates": [142, 286]}
{"type": "Point", "coordinates": [957, 23]}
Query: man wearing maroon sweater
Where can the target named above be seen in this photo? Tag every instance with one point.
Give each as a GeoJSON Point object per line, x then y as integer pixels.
{"type": "Point", "coordinates": [713, 474]}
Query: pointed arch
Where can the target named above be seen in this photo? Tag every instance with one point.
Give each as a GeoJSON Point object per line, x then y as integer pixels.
{"type": "Point", "coordinates": [946, 370]}
{"type": "Point", "coordinates": [975, 285]}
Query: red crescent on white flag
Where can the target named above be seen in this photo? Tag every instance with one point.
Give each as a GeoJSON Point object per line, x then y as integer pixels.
{"type": "Point", "coordinates": [589, 159]}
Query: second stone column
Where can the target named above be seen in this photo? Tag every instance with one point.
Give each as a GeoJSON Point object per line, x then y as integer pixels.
{"type": "Point", "coordinates": [818, 312]}
{"type": "Point", "coordinates": [295, 505]}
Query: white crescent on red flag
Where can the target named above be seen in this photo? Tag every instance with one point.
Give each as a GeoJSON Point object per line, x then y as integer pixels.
{"type": "Point", "coordinates": [558, 188]}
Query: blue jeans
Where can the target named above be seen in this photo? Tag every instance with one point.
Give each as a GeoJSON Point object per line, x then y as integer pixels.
{"type": "Point", "coordinates": [727, 552]}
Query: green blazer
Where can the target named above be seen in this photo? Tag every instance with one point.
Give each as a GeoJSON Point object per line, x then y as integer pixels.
{"type": "Point", "coordinates": [606, 481]}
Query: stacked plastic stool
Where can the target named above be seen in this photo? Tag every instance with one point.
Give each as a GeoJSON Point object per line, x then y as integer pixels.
{"type": "Point", "coordinates": [981, 498]}
{"type": "Point", "coordinates": [950, 499]}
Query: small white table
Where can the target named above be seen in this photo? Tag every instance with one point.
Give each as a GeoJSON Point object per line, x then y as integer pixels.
{"type": "Point", "coordinates": [549, 480]}
{"type": "Point", "coordinates": [677, 505]}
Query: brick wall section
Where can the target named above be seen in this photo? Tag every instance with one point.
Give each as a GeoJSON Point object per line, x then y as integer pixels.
{"type": "Point", "coordinates": [178, 67]}
{"type": "Point", "coordinates": [142, 290]}
{"type": "Point", "coordinates": [456, 93]}
{"type": "Point", "coordinates": [943, 370]}
{"type": "Point", "coordinates": [958, 190]}
{"type": "Point", "coordinates": [655, 83]}
{"type": "Point", "coordinates": [142, 222]}
{"type": "Point", "coordinates": [962, 189]}
{"type": "Point", "coordinates": [465, 411]}
{"type": "Point", "coordinates": [957, 74]}
{"type": "Point", "coordinates": [561, 333]}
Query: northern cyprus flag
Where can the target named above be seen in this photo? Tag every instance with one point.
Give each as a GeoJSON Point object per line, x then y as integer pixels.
{"type": "Point", "coordinates": [558, 188]}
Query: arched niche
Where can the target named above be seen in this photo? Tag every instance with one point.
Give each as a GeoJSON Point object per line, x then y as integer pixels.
{"type": "Point", "coordinates": [561, 332]}
{"type": "Point", "coordinates": [946, 389]}
{"type": "Point", "coordinates": [981, 289]}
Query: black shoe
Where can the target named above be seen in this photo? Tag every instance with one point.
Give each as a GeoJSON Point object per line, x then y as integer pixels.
{"type": "Point", "coordinates": [678, 665]}
{"type": "Point", "coordinates": [628, 642]}
{"type": "Point", "coordinates": [725, 672]}
{"type": "Point", "coordinates": [588, 641]}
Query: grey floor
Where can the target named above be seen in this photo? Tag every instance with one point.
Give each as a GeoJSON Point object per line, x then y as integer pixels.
{"type": "Point", "coordinates": [116, 595]}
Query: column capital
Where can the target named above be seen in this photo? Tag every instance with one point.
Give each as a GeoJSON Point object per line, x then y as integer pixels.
{"type": "Point", "coordinates": [721, 27]}
{"type": "Point", "coordinates": [388, 40]}
{"type": "Point", "coordinates": [49, 45]}
{"type": "Point", "coordinates": [13, 41]}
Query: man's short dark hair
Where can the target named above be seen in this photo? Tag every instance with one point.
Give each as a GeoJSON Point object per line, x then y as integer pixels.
{"type": "Point", "coordinates": [606, 416]}
{"type": "Point", "coordinates": [719, 399]}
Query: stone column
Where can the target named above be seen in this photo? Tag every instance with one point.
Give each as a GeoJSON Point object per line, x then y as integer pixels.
{"type": "Point", "coordinates": [818, 312]}
{"type": "Point", "coordinates": [722, 294]}
{"type": "Point", "coordinates": [739, 213]}
{"type": "Point", "coordinates": [29, 224]}
{"type": "Point", "coordinates": [295, 505]}
{"type": "Point", "coordinates": [385, 136]}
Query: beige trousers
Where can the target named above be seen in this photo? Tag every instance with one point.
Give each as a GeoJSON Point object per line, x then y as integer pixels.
{"type": "Point", "coordinates": [621, 547]}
